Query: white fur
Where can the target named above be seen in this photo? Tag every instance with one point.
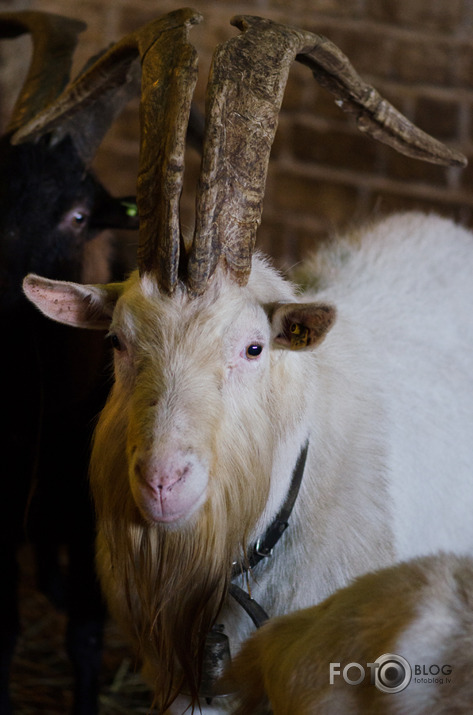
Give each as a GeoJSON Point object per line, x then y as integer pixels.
{"type": "Point", "coordinates": [386, 401]}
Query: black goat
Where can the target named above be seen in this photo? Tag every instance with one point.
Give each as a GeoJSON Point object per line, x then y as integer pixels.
{"type": "Point", "coordinates": [49, 210]}
{"type": "Point", "coordinates": [54, 379]}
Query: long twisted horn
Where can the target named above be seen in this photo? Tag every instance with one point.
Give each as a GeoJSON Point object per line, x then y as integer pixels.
{"type": "Point", "coordinates": [169, 75]}
{"type": "Point", "coordinates": [88, 105]}
{"type": "Point", "coordinates": [244, 95]}
{"type": "Point", "coordinates": [54, 41]}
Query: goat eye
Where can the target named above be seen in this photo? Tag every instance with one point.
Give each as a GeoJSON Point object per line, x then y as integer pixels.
{"type": "Point", "coordinates": [253, 351]}
{"type": "Point", "coordinates": [115, 341]}
{"type": "Point", "coordinates": [75, 220]}
{"type": "Point", "coordinates": [78, 218]}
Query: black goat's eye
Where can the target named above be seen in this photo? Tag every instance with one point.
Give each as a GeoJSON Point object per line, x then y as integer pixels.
{"type": "Point", "coordinates": [253, 351]}
{"type": "Point", "coordinates": [78, 218]}
{"type": "Point", "coordinates": [115, 341]}
{"type": "Point", "coordinates": [75, 220]}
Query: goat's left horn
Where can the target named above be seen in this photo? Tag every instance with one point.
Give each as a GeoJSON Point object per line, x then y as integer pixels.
{"type": "Point", "coordinates": [54, 41]}
{"type": "Point", "coordinates": [244, 95]}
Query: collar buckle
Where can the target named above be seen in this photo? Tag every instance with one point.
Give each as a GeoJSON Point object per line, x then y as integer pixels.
{"type": "Point", "coordinates": [262, 550]}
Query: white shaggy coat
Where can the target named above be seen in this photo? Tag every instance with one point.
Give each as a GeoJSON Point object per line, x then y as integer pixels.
{"type": "Point", "coordinates": [384, 395]}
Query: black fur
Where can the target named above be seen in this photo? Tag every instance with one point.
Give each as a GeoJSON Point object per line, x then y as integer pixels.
{"type": "Point", "coordinates": [54, 381]}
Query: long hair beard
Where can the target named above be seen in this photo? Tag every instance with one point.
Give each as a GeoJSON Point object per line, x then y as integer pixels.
{"type": "Point", "coordinates": [182, 582]}
{"type": "Point", "coordinates": [165, 586]}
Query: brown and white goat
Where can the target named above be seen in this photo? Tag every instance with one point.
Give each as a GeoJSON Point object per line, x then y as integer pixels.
{"type": "Point", "coordinates": [224, 371]}
{"type": "Point", "coordinates": [396, 641]}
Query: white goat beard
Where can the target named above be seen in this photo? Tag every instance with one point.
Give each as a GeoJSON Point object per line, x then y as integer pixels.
{"type": "Point", "coordinates": [166, 587]}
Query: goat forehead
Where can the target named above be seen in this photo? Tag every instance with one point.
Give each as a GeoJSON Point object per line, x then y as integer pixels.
{"type": "Point", "coordinates": [149, 316]}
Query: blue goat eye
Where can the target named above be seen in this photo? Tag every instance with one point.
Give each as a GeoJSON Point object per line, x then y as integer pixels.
{"type": "Point", "coordinates": [254, 350]}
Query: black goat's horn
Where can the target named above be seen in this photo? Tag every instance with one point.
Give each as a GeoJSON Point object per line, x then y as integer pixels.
{"type": "Point", "coordinates": [89, 104]}
{"type": "Point", "coordinates": [54, 41]}
{"type": "Point", "coordinates": [244, 95]}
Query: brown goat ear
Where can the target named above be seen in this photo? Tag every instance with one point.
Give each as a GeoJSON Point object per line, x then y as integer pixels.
{"type": "Point", "coordinates": [300, 326]}
{"type": "Point", "coordinates": [82, 306]}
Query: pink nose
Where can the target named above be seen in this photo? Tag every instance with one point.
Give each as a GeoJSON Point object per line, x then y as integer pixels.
{"type": "Point", "coordinates": [168, 487]}
{"type": "Point", "coordinates": [162, 473]}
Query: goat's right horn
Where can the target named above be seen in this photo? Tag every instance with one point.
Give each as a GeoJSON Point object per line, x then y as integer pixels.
{"type": "Point", "coordinates": [54, 41]}
{"type": "Point", "coordinates": [169, 74]}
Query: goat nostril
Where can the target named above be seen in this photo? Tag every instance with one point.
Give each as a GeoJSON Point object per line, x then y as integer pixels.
{"type": "Point", "coordinates": [182, 472]}
{"type": "Point", "coordinates": [160, 476]}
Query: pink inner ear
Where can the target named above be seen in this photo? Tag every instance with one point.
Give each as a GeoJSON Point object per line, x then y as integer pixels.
{"type": "Point", "coordinates": [68, 303]}
{"type": "Point", "coordinates": [57, 302]}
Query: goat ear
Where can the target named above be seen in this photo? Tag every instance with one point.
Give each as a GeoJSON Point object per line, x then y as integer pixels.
{"type": "Point", "coordinates": [300, 326]}
{"type": "Point", "coordinates": [82, 306]}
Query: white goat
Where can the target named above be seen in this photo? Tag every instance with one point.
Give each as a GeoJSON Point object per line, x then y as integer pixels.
{"type": "Point", "coordinates": [223, 373]}
{"type": "Point", "coordinates": [194, 451]}
{"type": "Point", "coordinates": [312, 661]}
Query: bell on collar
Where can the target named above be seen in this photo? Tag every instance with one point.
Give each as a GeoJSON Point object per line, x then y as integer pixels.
{"type": "Point", "coordinates": [216, 658]}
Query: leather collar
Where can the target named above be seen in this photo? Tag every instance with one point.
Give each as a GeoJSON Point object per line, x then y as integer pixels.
{"type": "Point", "coordinates": [263, 547]}
{"type": "Point", "coordinates": [217, 648]}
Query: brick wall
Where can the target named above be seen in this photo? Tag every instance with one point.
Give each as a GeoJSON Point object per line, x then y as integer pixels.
{"type": "Point", "coordinates": [324, 174]}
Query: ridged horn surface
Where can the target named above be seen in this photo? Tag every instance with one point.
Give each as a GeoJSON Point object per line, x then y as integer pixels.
{"type": "Point", "coordinates": [88, 105]}
{"type": "Point", "coordinates": [244, 95]}
{"type": "Point", "coordinates": [169, 74]}
{"type": "Point", "coordinates": [54, 41]}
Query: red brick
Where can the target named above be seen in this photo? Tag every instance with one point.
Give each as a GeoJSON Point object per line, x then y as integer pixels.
{"type": "Point", "coordinates": [345, 149]}
{"type": "Point", "coordinates": [386, 203]}
{"type": "Point", "coordinates": [437, 116]}
{"type": "Point", "coordinates": [404, 168]}
{"type": "Point", "coordinates": [424, 14]}
{"type": "Point", "coordinates": [293, 193]}
{"type": "Point", "coordinates": [464, 65]}
{"type": "Point", "coordinates": [417, 44]}
{"type": "Point", "coordinates": [287, 242]}
{"type": "Point", "coordinates": [431, 62]}
{"type": "Point", "coordinates": [323, 104]}
{"type": "Point", "coordinates": [369, 52]}
{"type": "Point", "coordinates": [466, 176]}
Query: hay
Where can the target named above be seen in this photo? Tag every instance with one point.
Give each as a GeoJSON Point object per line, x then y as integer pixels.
{"type": "Point", "coordinates": [41, 679]}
